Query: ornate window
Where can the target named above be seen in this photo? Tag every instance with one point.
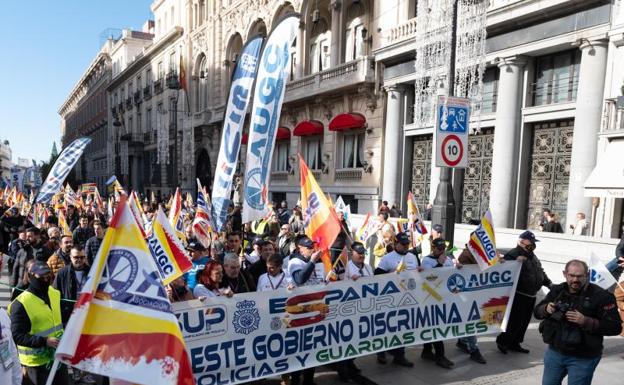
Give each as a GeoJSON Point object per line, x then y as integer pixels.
{"type": "Point", "coordinates": [421, 169]}
{"type": "Point", "coordinates": [312, 147]}
{"type": "Point", "coordinates": [556, 78]}
{"type": "Point", "coordinates": [320, 42]}
{"type": "Point", "coordinates": [352, 149]}
{"type": "Point", "coordinates": [202, 85]}
{"type": "Point", "coordinates": [355, 32]}
{"type": "Point", "coordinates": [280, 156]}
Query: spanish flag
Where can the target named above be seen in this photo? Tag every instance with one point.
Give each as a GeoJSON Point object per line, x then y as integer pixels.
{"type": "Point", "coordinates": [482, 243]}
{"type": "Point", "coordinates": [321, 222]}
{"type": "Point", "coordinates": [123, 325]}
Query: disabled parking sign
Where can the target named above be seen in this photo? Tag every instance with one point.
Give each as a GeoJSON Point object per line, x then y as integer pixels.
{"type": "Point", "coordinates": [452, 117]}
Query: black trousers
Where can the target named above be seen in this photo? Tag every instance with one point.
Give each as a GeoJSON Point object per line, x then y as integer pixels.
{"type": "Point", "coordinates": [307, 374]}
{"type": "Point", "coordinates": [519, 319]}
{"type": "Point", "coordinates": [438, 347]}
{"type": "Point", "coordinates": [38, 375]}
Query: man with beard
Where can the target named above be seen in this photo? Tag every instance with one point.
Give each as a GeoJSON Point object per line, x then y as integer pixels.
{"type": "Point", "coordinates": [60, 258]}
{"type": "Point", "coordinates": [36, 325]}
{"type": "Point", "coordinates": [398, 259]}
{"type": "Point", "coordinates": [31, 248]}
{"type": "Point", "coordinates": [70, 280]}
{"type": "Point", "coordinates": [93, 244]}
{"type": "Point", "coordinates": [531, 279]}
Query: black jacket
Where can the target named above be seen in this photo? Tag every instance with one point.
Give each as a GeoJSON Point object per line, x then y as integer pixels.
{"type": "Point", "coordinates": [532, 276]}
{"type": "Point", "coordinates": [81, 235]}
{"type": "Point", "coordinates": [602, 319]}
{"type": "Point", "coordinates": [553, 227]}
{"type": "Point", "coordinates": [67, 283]}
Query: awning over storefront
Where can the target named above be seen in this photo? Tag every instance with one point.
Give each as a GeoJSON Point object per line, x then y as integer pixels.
{"type": "Point", "coordinates": [308, 127]}
{"type": "Point", "coordinates": [350, 121]}
{"type": "Point", "coordinates": [283, 133]}
{"type": "Point", "coordinates": [607, 178]}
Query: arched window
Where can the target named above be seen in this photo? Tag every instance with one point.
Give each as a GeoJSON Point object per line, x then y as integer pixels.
{"type": "Point", "coordinates": [201, 91]}
{"type": "Point", "coordinates": [355, 32]}
{"type": "Point", "coordinates": [320, 41]}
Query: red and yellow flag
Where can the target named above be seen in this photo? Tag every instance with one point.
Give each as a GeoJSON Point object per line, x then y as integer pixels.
{"type": "Point", "coordinates": [123, 325]}
{"type": "Point", "coordinates": [321, 223]}
{"type": "Point", "coordinates": [168, 252]}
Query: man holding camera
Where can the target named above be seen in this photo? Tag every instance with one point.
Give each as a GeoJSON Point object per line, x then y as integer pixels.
{"type": "Point", "coordinates": [576, 315]}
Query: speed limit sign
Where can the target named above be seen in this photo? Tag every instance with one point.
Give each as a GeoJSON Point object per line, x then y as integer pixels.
{"type": "Point", "coordinates": [452, 117]}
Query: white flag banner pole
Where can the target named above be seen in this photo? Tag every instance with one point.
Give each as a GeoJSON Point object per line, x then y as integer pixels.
{"type": "Point", "coordinates": [598, 273]}
{"type": "Point", "coordinates": [265, 114]}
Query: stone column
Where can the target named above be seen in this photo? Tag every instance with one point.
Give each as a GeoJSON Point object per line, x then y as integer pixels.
{"type": "Point", "coordinates": [589, 100]}
{"type": "Point", "coordinates": [336, 32]}
{"type": "Point", "coordinates": [392, 145]}
{"type": "Point", "coordinates": [506, 141]}
{"type": "Point", "coordinates": [300, 48]}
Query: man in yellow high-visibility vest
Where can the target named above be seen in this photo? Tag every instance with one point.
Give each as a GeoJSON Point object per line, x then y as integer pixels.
{"type": "Point", "coordinates": [37, 326]}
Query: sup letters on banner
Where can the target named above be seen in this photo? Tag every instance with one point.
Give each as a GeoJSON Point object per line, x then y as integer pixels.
{"type": "Point", "coordinates": [265, 113]}
{"type": "Point", "coordinates": [238, 103]}
{"type": "Point", "coordinates": [256, 335]}
{"type": "Point", "coordinates": [61, 168]}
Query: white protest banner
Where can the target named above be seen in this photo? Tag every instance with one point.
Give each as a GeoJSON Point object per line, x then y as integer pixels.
{"type": "Point", "coordinates": [265, 114]}
{"type": "Point", "coordinates": [238, 103]}
{"type": "Point", "coordinates": [256, 335]}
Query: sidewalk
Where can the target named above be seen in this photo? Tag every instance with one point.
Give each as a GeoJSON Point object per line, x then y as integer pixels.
{"type": "Point", "coordinates": [510, 369]}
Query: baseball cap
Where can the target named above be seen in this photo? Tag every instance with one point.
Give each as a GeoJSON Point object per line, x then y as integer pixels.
{"type": "Point", "coordinates": [358, 247]}
{"type": "Point", "coordinates": [305, 242]}
{"type": "Point", "coordinates": [529, 236]}
{"type": "Point", "coordinates": [195, 246]}
{"type": "Point", "coordinates": [402, 238]}
{"type": "Point", "coordinates": [438, 228]}
{"type": "Point", "coordinates": [40, 268]}
{"type": "Point", "coordinates": [438, 242]}
{"type": "Point", "coordinates": [257, 241]}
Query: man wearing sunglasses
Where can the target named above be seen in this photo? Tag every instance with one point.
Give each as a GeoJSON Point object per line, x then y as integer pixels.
{"type": "Point", "coordinates": [531, 279]}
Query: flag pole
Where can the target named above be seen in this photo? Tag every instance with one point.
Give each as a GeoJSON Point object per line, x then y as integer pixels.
{"type": "Point", "coordinates": [52, 372]}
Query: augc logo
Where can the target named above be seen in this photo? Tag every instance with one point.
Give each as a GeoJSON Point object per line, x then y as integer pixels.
{"type": "Point", "coordinates": [457, 283]}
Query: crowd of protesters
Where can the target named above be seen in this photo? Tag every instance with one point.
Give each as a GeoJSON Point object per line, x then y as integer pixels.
{"type": "Point", "coordinates": [266, 254]}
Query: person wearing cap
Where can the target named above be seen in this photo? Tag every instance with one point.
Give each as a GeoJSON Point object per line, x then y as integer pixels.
{"type": "Point", "coordinates": [36, 325]}
{"type": "Point", "coordinates": [305, 268]}
{"type": "Point", "coordinates": [437, 258]}
{"type": "Point", "coordinates": [199, 260]}
{"type": "Point", "coordinates": [390, 263]}
{"type": "Point", "coordinates": [424, 248]}
{"type": "Point", "coordinates": [357, 267]}
{"type": "Point", "coordinates": [531, 279]}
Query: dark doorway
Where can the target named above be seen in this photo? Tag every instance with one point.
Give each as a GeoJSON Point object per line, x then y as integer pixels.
{"type": "Point", "coordinates": [202, 170]}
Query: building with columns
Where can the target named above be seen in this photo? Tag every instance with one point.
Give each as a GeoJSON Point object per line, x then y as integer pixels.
{"type": "Point", "coordinates": [552, 105]}
{"type": "Point", "coordinates": [544, 91]}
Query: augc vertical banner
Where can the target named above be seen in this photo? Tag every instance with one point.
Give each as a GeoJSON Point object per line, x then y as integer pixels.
{"type": "Point", "coordinates": [267, 105]}
{"type": "Point", "coordinates": [238, 103]}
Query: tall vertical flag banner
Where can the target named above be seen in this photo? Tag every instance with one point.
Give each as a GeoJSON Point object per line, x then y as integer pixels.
{"type": "Point", "coordinates": [237, 106]}
{"type": "Point", "coordinates": [137, 211]}
{"type": "Point", "coordinates": [482, 243]}
{"type": "Point", "coordinates": [169, 254]}
{"type": "Point", "coordinates": [184, 83]}
{"type": "Point", "coordinates": [265, 114]}
{"type": "Point", "coordinates": [202, 225]}
{"type": "Point", "coordinates": [176, 219]}
{"type": "Point", "coordinates": [321, 222]}
{"type": "Point", "coordinates": [63, 165]}
{"type": "Point", "coordinates": [122, 325]}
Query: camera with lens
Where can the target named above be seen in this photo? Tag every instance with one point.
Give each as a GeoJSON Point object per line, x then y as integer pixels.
{"type": "Point", "coordinates": [560, 309]}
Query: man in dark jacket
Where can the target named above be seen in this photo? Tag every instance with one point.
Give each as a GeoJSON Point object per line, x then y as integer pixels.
{"type": "Point", "coordinates": [577, 314]}
{"type": "Point", "coordinates": [83, 232]}
{"type": "Point", "coordinates": [70, 279]}
{"type": "Point", "coordinates": [532, 278]}
{"type": "Point", "coordinates": [93, 244]}
{"type": "Point", "coordinates": [30, 249]}
{"type": "Point", "coordinates": [616, 265]}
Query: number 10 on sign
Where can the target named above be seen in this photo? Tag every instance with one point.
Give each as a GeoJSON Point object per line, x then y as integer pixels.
{"type": "Point", "coordinates": [452, 117]}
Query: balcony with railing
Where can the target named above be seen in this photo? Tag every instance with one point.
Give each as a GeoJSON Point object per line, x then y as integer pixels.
{"type": "Point", "coordinates": [134, 138]}
{"type": "Point", "coordinates": [340, 77]}
{"type": "Point", "coordinates": [403, 31]}
{"type": "Point", "coordinates": [560, 90]}
{"type": "Point", "coordinates": [147, 92]}
{"type": "Point", "coordinates": [613, 116]}
{"type": "Point", "coordinates": [158, 86]}
{"type": "Point", "coordinates": [172, 80]}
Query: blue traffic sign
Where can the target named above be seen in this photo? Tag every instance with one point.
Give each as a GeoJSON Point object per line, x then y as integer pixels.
{"type": "Point", "coordinates": [453, 118]}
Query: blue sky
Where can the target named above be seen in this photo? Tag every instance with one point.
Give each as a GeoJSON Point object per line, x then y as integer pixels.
{"type": "Point", "coordinates": [46, 47]}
